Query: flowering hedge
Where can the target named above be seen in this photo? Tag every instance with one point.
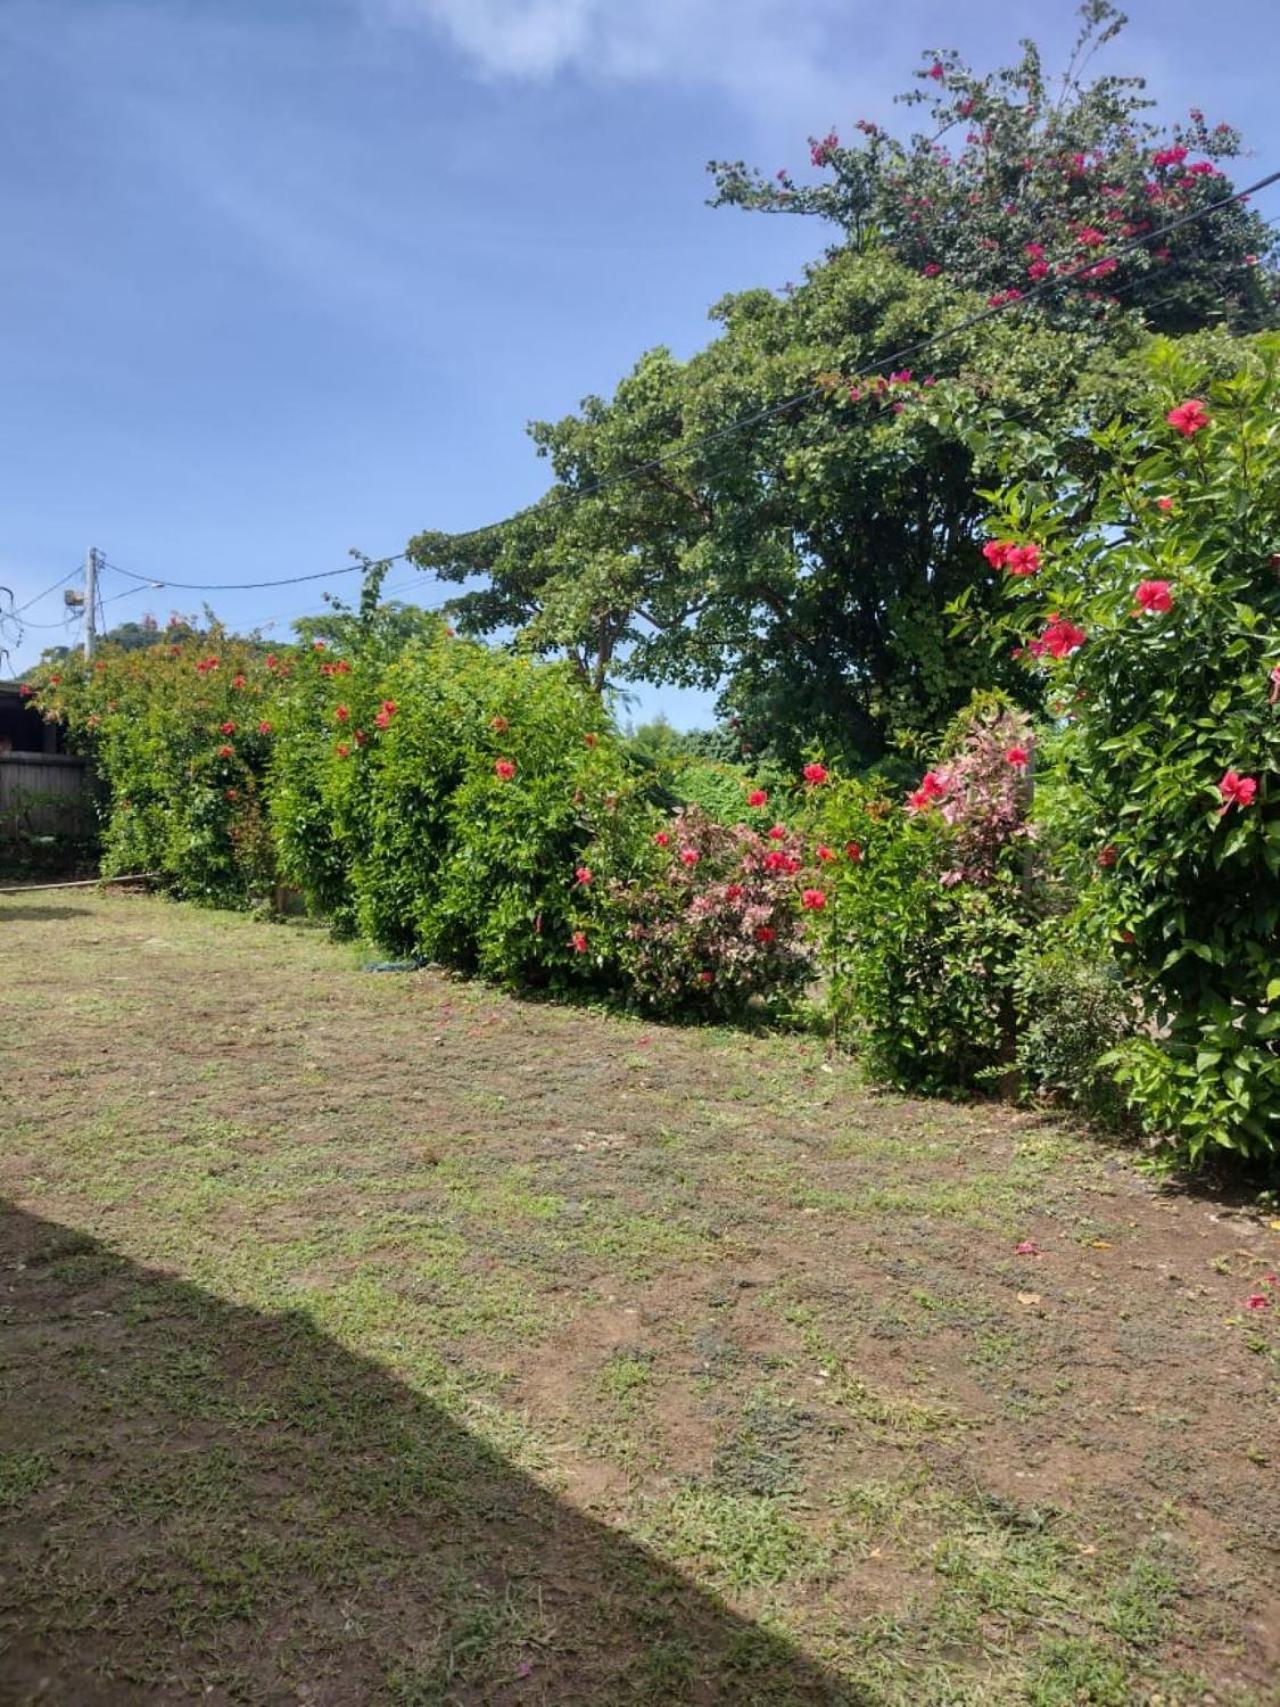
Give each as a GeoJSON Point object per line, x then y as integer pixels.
{"type": "Point", "coordinates": [180, 735]}
{"type": "Point", "coordinates": [1155, 629]}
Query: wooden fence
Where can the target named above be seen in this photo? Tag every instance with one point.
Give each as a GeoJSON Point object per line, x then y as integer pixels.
{"type": "Point", "coordinates": [45, 794]}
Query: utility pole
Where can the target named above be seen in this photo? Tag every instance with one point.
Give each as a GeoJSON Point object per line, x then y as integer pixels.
{"type": "Point", "coordinates": [90, 601]}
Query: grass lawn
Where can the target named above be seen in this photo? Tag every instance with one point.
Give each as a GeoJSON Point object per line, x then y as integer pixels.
{"type": "Point", "coordinates": [375, 1338]}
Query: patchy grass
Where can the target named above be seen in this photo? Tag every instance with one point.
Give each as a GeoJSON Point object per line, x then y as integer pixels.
{"type": "Point", "coordinates": [378, 1339]}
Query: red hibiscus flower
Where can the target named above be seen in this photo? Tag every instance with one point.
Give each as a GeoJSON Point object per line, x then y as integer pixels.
{"type": "Point", "coordinates": [662, 839]}
{"type": "Point", "coordinates": [264, 728]}
{"type": "Point", "coordinates": [996, 551]}
{"type": "Point", "coordinates": [1018, 757]}
{"type": "Point", "coordinates": [239, 681]}
{"type": "Point", "coordinates": [228, 728]}
{"type": "Point", "coordinates": [590, 740]}
{"type": "Point", "coordinates": [1107, 856]}
{"type": "Point", "coordinates": [778, 833]}
{"type": "Point", "coordinates": [1188, 418]}
{"type": "Point", "coordinates": [1153, 596]}
{"type": "Point", "coordinates": [504, 769]}
{"type": "Point", "coordinates": [815, 775]}
{"type": "Point", "coordinates": [853, 852]}
{"type": "Point", "coordinates": [734, 892]}
{"type": "Point", "coordinates": [232, 794]}
{"type": "Point", "coordinates": [1164, 503]}
{"type": "Point", "coordinates": [1062, 637]}
{"type": "Point", "coordinates": [583, 875]}
{"type": "Point", "coordinates": [764, 933]}
{"type": "Point", "coordinates": [1237, 790]}
{"type": "Point", "coordinates": [814, 900]}
{"type": "Point", "coordinates": [342, 750]}
{"type": "Point", "coordinates": [25, 690]}
{"type": "Point", "coordinates": [225, 752]}
{"type": "Point", "coordinates": [1022, 559]}
{"type": "Point", "coordinates": [706, 977]}
{"type": "Point", "coordinates": [499, 725]}
{"type": "Point", "coordinates": [342, 713]}
{"type": "Point", "coordinates": [824, 853]}
{"type": "Point", "coordinates": [758, 797]}
{"type": "Point", "coordinates": [689, 856]}
{"type": "Point", "coordinates": [579, 942]}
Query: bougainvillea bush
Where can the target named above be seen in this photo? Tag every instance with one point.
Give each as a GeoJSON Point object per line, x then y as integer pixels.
{"type": "Point", "coordinates": [180, 735]}
{"type": "Point", "coordinates": [1156, 621]}
{"type": "Point", "coordinates": [931, 898]}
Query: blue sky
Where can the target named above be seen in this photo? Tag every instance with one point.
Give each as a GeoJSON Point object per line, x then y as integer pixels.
{"type": "Point", "coordinates": [283, 277]}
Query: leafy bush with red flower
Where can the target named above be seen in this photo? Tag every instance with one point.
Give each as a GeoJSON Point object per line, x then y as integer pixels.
{"type": "Point", "coordinates": [175, 732]}
{"type": "Point", "coordinates": [1025, 184]}
{"type": "Point", "coordinates": [708, 919]}
{"type": "Point", "coordinates": [1162, 780]}
{"type": "Point", "coordinates": [927, 908]}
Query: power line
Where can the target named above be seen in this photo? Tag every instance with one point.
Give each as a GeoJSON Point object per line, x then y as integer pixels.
{"type": "Point", "coordinates": [78, 570]}
{"type": "Point", "coordinates": [158, 581]}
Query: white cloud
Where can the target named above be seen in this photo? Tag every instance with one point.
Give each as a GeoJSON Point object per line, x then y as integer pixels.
{"type": "Point", "coordinates": [772, 54]}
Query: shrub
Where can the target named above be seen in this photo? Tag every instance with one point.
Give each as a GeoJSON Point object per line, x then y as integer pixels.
{"type": "Point", "coordinates": [175, 732]}
{"type": "Point", "coordinates": [1074, 1010]}
{"type": "Point", "coordinates": [1156, 629]}
{"type": "Point", "coordinates": [440, 796]}
{"type": "Point", "coordinates": [930, 903]}
{"type": "Point", "coordinates": [702, 917]}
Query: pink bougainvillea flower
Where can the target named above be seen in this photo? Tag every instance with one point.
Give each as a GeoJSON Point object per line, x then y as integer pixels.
{"type": "Point", "coordinates": [579, 941]}
{"type": "Point", "coordinates": [778, 833]}
{"type": "Point", "coordinates": [1018, 757]}
{"type": "Point", "coordinates": [996, 551]}
{"type": "Point", "coordinates": [225, 752]}
{"type": "Point", "coordinates": [824, 853]}
{"type": "Point", "coordinates": [1237, 790]}
{"type": "Point", "coordinates": [499, 725]}
{"type": "Point", "coordinates": [1153, 596]}
{"type": "Point", "coordinates": [1028, 1248]}
{"type": "Point", "coordinates": [1257, 1301]}
{"type": "Point", "coordinates": [764, 933]}
{"type": "Point", "coordinates": [662, 839]}
{"type": "Point", "coordinates": [264, 728]}
{"type": "Point", "coordinates": [758, 797]}
{"type": "Point", "coordinates": [1062, 637]}
{"type": "Point", "coordinates": [689, 857]}
{"type": "Point", "coordinates": [1022, 559]}
{"type": "Point", "coordinates": [1164, 503]}
{"type": "Point", "coordinates": [815, 775]}
{"type": "Point", "coordinates": [853, 852]}
{"type": "Point", "coordinates": [342, 713]}
{"type": "Point", "coordinates": [1188, 418]}
{"type": "Point", "coordinates": [584, 875]}
{"type": "Point", "coordinates": [814, 900]}
{"type": "Point", "coordinates": [1107, 856]}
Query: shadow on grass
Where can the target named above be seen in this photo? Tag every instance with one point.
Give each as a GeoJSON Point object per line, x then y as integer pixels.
{"type": "Point", "coordinates": [14, 910]}
{"type": "Point", "coordinates": [198, 1501]}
